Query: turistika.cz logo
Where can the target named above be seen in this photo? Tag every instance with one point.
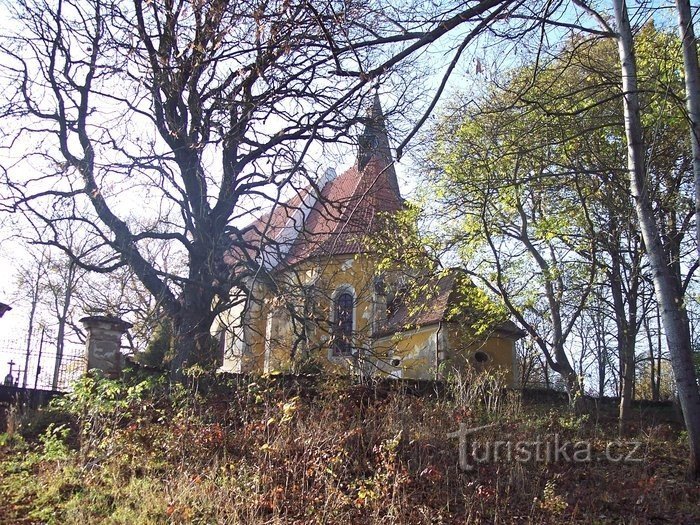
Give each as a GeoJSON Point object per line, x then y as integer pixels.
{"type": "Point", "coordinates": [551, 450]}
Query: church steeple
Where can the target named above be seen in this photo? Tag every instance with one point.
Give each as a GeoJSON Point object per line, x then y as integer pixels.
{"type": "Point", "coordinates": [374, 145]}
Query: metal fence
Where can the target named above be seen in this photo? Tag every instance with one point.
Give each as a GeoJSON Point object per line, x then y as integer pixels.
{"type": "Point", "coordinates": [32, 362]}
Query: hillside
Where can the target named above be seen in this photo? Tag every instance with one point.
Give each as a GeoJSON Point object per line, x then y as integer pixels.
{"type": "Point", "coordinates": [264, 452]}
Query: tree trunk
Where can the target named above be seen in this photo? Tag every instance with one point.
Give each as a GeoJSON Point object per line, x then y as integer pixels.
{"type": "Point", "coordinates": [692, 95]}
{"type": "Point", "coordinates": [62, 321]}
{"type": "Point", "coordinates": [659, 340]}
{"type": "Point", "coordinates": [626, 321]}
{"type": "Point", "coordinates": [192, 325]}
{"type": "Point", "coordinates": [36, 285]}
{"type": "Point", "coordinates": [562, 366]}
{"type": "Point", "coordinates": [652, 360]}
{"type": "Point", "coordinates": [192, 342]}
{"type": "Point", "coordinates": [666, 286]}
{"type": "Point", "coordinates": [654, 367]}
{"type": "Point", "coordinates": [557, 359]}
{"type": "Point", "coordinates": [600, 351]}
{"type": "Point", "coordinates": [545, 368]}
{"type": "Point", "coordinates": [627, 369]}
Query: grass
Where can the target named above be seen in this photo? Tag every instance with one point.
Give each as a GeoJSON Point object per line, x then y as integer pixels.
{"type": "Point", "coordinates": [331, 454]}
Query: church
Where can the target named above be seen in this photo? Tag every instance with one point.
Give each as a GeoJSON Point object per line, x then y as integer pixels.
{"type": "Point", "coordinates": [323, 303]}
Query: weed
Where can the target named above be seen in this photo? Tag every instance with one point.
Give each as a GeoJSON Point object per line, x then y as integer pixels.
{"type": "Point", "coordinates": [150, 453]}
{"type": "Point", "coordinates": [53, 441]}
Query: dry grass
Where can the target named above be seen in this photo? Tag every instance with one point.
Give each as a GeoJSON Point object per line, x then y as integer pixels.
{"type": "Point", "coordinates": [342, 455]}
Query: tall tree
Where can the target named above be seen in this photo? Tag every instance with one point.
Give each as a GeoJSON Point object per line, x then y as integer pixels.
{"type": "Point", "coordinates": [31, 280]}
{"type": "Point", "coordinates": [692, 95]}
{"type": "Point", "coordinates": [522, 226]}
{"type": "Point", "coordinates": [204, 111]}
{"type": "Point", "coordinates": [669, 292]}
{"type": "Point", "coordinates": [550, 143]}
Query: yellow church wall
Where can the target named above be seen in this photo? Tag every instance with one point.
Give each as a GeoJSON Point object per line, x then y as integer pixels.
{"type": "Point", "coordinates": [257, 321]}
{"type": "Point", "coordinates": [415, 350]}
{"type": "Point", "coordinates": [420, 352]}
{"type": "Point", "coordinates": [228, 326]}
{"type": "Point", "coordinates": [463, 347]}
{"type": "Point", "coordinates": [225, 326]}
{"type": "Point", "coordinates": [257, 351]}
{"type": "Point", "coordinates": [332, 276]}
{"type": "Point", "coordinates": [447, 347]}
{"type": "Point", "coordinates": [270, 348]}
{"type": "Point", "coordinates": [237, 326]}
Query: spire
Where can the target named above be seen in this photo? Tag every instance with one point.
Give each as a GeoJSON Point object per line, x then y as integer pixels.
{"type": "Point", "coordinates": [374, 144]}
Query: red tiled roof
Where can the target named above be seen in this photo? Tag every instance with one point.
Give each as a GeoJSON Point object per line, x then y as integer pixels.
{"type": "Point", "coordinates": [430, 307]}
{"type": "Point", "coordinates": [347, 211]}
{"type": "Point", "coordinates": [344, 213]}
{"type": "Point", "coordinates": [434, 304]}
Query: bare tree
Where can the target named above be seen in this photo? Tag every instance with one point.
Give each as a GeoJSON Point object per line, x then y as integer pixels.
{"type": "Point", "coordinates": [203, 111]}
{"type": "Point", "coordinates": [31, 279]}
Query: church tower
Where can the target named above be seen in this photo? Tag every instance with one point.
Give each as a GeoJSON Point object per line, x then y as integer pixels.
{"type": "Point", "coordinates": [374, 149]}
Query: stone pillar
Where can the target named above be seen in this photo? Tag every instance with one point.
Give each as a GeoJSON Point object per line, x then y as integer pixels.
{"type": "Point", "coordinates": [104, 335]}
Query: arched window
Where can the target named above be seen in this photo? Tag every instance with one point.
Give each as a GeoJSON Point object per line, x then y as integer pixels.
{"type": "Point", "coordinates": [343, 323]}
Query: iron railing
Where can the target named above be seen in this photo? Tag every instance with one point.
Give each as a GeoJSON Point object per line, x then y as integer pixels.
{"type": "Point", "coordinates": [33, 362]}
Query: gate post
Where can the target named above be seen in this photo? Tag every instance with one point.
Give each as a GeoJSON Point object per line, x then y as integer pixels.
{"type": "Point", "coordinates": [104, 335]}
